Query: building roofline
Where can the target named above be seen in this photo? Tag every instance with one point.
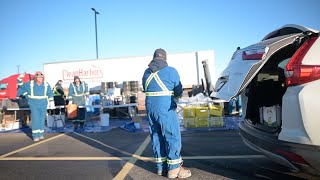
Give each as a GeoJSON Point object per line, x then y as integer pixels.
{"type": "Point", "coordinates": [103, 59]}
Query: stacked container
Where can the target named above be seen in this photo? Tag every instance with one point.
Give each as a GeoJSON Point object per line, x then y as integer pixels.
{"type": "Point", "coordinates": [202, 115]}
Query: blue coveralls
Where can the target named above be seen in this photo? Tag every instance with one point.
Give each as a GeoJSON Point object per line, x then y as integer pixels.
{"type": "Point", "coordinates": [161, 87]}
{"type": "Point", "coordinates": [38, 96]}
{"type": "Point", "coordinates": [77, 94]}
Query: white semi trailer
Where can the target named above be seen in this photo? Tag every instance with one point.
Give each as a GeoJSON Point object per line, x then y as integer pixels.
{"type": "Point", "coordinates": [94, 72]}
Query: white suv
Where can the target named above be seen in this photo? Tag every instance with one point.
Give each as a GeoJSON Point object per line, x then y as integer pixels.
{"type": "Point", "coordinates": [278, 80]}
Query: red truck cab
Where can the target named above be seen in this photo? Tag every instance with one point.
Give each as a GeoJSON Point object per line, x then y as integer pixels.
{"type": "Point", "coordinates": [9, 85]}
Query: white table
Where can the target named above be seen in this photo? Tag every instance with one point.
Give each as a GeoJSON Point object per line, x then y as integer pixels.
{"type": "Point", "coordinates": [130, 105]}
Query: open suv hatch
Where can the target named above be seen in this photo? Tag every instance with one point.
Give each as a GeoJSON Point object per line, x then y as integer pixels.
{"type": "Point", "coordinates": [278, 80]}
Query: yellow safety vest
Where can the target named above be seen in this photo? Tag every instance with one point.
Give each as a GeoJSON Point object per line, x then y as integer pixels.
{"type": "Point", "coordinates": [164, 92]}
{"type": "Point", "coordinates": [55, 91]}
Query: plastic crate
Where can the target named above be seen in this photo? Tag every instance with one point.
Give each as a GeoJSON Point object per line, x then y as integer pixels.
{"type": "Point", "coordinates": [189, 122]}
{"type": "Point", "coordinates": [216, 122]}
{"type": "Point", "coordinates": [202, 122]}
{"type": "Point", "coordinates": [189, 112]}
{"type": "Point", "coordinates": [202, 112]}
{"type": "Point", "coordinates": [216, 110]}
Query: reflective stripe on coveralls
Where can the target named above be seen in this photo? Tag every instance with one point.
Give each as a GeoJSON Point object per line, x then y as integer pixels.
{"type": "Point", "coordinates": [161, 160]}
{"type": "Point", "coordinates": [175, 161]}
{"type": "Point", "coordinates": [38, 131]}
{"type": "Point", "coordinates": [75, 92]}
{"type": "Point", "coordinates": [164, 92]}
{"type": "Point", "coordinates": [160, 93]}
{"type": "Point", "coordinates": [32, 96]}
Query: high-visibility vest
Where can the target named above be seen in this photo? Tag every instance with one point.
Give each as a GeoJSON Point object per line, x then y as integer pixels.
{"type": "Point", "coordinates": [164, 92]}
{"type": "Point", "coordinates": [75, 91]}
{"type": "Point", "coordinates": [56, 92]}
{"type": "Point", "coordinates": [32, 96]}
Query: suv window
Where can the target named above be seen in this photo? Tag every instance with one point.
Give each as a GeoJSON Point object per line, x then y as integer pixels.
{"type": "Point", "coordinates": [283, 31]}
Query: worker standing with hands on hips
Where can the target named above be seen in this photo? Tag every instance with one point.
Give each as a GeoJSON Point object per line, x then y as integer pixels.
{"type": "Point", "coordinates": [38, 94]}
{"type": "Point", "coordinates": [78, 90]}
{"type": "Point", "coordinates": [162, 84]}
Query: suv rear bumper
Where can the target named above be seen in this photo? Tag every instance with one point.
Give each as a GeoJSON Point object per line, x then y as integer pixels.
{"type": "Point", "coordinates": [269, 145]}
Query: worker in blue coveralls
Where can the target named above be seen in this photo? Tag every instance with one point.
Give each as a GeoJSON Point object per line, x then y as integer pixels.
{"type": "Point", "coordinates": [78, 90]}
{"type": "Point", "coordinates": [38, 94]}
{"type": "Point", "coordinates": [162, 84]}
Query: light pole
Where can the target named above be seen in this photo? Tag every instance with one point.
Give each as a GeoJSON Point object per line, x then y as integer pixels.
{"type": "Point", "coordinates": [18, 66]}
{"type": "Point", "coordinates": [95, 20]}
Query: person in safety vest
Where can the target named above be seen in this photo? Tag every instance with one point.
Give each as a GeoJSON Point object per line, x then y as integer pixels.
{"type": "Point", "coordinates": [78, 90]}
{"type": "Point", "coordinates": [162, 84]}
{"type": "Point", "coordinates": [38, 94]}
{"type": "Point", "coordinates": [59, 96]}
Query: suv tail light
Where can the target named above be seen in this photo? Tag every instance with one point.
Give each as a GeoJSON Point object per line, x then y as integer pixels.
{"type": "Point", "coordinates": [292, 156]}
{"type": "Point", "coordinates": [296, 73]}
{"type": "Point", "coordinates": [255, 54]}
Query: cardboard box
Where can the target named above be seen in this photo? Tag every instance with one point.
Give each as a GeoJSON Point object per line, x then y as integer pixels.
{"type": "Point", "coordinates": [10, 126]}
{"type": "Point", "coordinates": [8, 118]}
{"type": "Point", "coordinates": [141, 105]}
{"type": "Point", "coordinates": [141, 96]}
{"type": "Point", "coordinates": [270, 116]}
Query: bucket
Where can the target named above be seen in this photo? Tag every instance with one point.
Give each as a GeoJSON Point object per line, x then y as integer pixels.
{"type": "Point", "coordinates": [72, 111]}
{"type": "Point", "coordinates": [104, 119]}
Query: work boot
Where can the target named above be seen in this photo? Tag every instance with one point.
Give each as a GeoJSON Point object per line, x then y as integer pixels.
{"type": "Point", "coordinates": [162, 172]}
{"type": "Point", "coordinates": [180, 173]}
{"type": "Point", "coordinates": [41, 137]}
{"type": "Point", "coordinates": [36, 139]}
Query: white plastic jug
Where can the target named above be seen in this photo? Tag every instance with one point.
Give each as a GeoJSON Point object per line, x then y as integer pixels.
{"type": "Point", "coordinates": [137, 125]}
{"type": "Point", "coordinates": [104, 119]}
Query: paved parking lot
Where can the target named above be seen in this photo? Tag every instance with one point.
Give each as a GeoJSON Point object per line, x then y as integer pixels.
{"type": "Point", "coordinates": [118, 154]}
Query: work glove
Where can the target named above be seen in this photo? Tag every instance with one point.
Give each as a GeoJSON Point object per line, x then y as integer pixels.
{"type": "Point", "coordinates": [70, 102]}
{"type": "Point", "coordinates": [21, 76]}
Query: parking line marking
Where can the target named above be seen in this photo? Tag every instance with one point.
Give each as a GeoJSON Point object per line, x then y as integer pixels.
{"type": "Point", "coordinates": [125, 158]}
{"type": "Point", "coordinates": [101, 143]}
{"type": "Point", "coordinates": [30, 146]}
{"type": "Point", "coordinates": [129, 165]}
{"type": "Point", "coordinates": [225, 157]}
{"type": "Point", "coordinates": [64, 158]}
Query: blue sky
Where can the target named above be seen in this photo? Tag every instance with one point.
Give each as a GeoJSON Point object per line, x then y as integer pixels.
{"type": "Point", "coordinates": [34, 32]}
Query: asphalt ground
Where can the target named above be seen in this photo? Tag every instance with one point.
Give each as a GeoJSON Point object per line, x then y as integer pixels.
{"type": "Point", "coordinates": [118, 154]}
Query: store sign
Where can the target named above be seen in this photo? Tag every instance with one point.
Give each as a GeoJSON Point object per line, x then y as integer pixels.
{"type": "Point", "coordinates": [92, 72]}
